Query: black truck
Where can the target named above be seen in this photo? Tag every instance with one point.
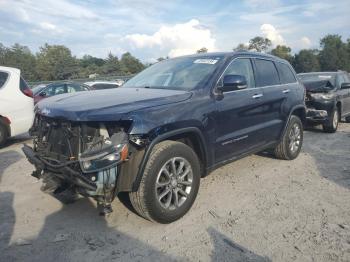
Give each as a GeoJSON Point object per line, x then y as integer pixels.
{"type": "Point", "coordinates": [165, 128]}
{"type": "Point", "coordinates": [327, 98]}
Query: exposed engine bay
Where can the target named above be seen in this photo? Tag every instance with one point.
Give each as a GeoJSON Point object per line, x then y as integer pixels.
{"type": "Point", "coordinates": [80, 158]}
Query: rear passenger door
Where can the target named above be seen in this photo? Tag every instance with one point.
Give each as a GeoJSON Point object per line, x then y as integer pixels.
{"type": "Point", "coordinates": [238, 118]}
{"type": "Point", "coordinates": [276, 92]}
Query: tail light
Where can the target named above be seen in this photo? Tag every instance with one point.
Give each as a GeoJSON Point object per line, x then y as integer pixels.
{"type": "Point", "coordinates": [28, 92]}
{"type": "Point", "coordinates": [6, 120]}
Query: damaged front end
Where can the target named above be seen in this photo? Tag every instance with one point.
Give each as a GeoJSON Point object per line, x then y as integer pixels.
{"type": "Point", "coordinates": [80, 157]}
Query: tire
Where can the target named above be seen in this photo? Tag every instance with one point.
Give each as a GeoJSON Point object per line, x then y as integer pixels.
{"type": "Point", "coordinates": [347, 119]}
{"type": "Point", "coordinates": [3, 134]}
{"type": "Point", "coordinates": [292, 140]}
{"type": "Point", "coordinates": [332, 124]}
{"type": "Point", "coordinates": [158, 203]}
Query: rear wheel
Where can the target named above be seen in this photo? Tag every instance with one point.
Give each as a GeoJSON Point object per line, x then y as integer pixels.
{"type": "Point", "coordinates": [292, 140]}
{"type": "Point", "coordinates": [169, 184]}
{"type": "Point", "coordinates": [3, 134]}
{"type": "Point", "coordinates": [347, 119]}
{"type": "Point", "coordinates": [332, 124]}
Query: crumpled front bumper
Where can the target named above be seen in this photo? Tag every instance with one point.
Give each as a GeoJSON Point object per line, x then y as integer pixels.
{"type": "Point", "coordinates": [62, 172]}
{"type": "Point", "coordinates": [316, 116]}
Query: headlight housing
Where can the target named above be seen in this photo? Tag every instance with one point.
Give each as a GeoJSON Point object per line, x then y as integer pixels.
{"type": "Point", "coordinates": [104, 155]}
{"type": "Point", "coordinates": [325, 96]}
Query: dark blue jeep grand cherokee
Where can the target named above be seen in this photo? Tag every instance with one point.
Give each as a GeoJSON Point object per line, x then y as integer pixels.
{"type": "Point", "coordinates": [166, 128]}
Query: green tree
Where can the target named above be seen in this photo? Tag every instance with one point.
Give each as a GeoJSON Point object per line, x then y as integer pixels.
{"type": "Point", "coordinates": [306, 61]}
{"type": "Point", "coordinates": [283, 52]}
{"type": "Point", "coordinates": [241, 47]}
{"type": "Point", "coordinates": [112, 65]}
{"type": "Point", "coordinates": [55, 62]}
{"type": "Point", "coordinates": [202, 50]}
{"type": "Point", "coordinates": [259, 44]}
{"type": "Point", "coordinates": [130, 64]}
{"type": "Point", "coordinates": [334, 54]}
{"type": "Point", "coordinates": [20, 57]}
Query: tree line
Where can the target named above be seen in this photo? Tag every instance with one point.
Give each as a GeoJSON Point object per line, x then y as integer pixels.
{"type": "Point", "coordinates": [333, 54]}
{"type": "Point", "coordinates": [56, 62]}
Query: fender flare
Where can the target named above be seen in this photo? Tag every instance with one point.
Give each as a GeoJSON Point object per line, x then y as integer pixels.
{"type": "Point", "coordinates": [163, 137]}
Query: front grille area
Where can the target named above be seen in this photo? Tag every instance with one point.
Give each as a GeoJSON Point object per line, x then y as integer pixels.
{"type": "Point", "coordinates": [57, 139]}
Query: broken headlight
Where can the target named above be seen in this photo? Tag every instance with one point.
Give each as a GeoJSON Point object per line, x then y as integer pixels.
{"type": "Point", "coordinates": [104, 154]}
{"type": "Point", "coordinates": [325, 96]}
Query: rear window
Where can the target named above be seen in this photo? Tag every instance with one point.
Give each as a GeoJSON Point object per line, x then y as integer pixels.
{"type": "Point", "coordinates": [266, 73]}
{"type": "Point", "coordinates": [286, 74]}
{"type": "Point", "coordinates": [22, 84]}
{"type": "Point", "coordinates": [3, 78]}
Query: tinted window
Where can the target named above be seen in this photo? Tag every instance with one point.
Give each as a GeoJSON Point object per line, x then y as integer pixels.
{"type": "Point", "coordinates": [3, 78]}
{"type": "Point", "coordinates": [243, 67]}
{"type": "Point", "coordinates": [266, 73]}
{"type": "Point", "coordinates": [286, 74]}
{"type": "Point", "coordinates": [22, 84]}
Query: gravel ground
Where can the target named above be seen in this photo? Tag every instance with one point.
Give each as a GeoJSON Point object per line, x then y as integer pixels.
{"type": "Point", "coordinates": [255, 209]}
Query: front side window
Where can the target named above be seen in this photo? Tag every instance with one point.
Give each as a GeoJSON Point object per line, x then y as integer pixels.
{"type": "Point", "coordinates": [243, 67]}
{"type": "Point", "coordinates": [286, 74]}
{"type": "Point", "coordinates": [266, 73]}
{"type": "Point", "coordinates": [3, 78]}
{"type": "Point", "coordinates": [183, 73]}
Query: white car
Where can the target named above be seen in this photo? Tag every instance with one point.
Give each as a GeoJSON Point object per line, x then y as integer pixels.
{"type": "Point", "coordinates": [16, 104]}
{"type": "Point", "coordinates": [98, 85]}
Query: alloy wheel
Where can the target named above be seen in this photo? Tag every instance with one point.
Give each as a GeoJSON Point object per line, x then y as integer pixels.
{"type": "Point", "coordinates": [174, 183]}
{"type": "Point", "coordinates": [294, 138]}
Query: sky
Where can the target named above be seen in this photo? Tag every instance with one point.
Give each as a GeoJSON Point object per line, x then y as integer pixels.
{"type": "Point", "coordinates": [152, 29]}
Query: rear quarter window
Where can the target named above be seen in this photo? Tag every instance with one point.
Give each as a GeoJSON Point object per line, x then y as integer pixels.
{"type": "Point", "coordinates": [3, 78]}
{"type": "Point", "coordinates": [266, 73]}
{"type": "Point", "coordinates": [23, 84]}
{"type": "Point", "coordinates": [286, 74]}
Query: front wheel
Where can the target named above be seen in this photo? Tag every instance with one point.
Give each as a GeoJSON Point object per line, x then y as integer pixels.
{"type": "Point", "coordinates": [332, 124]}
{"type": "Point", "coordinates": [169, 184]}
{"type": "Point", "coordinates": [292, 140]}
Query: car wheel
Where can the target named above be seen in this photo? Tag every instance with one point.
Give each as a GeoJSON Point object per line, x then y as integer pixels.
{"type": "Point", "coordinates": [347, 119]}
{"type": "Point", "coordinates": [332, 124]}
{"type": "Point", "coordinates": [169, 184]}
{"type": "Point", "coordinates": [3, 134]}
{"type": "Point", "coordinates": [292, 140]}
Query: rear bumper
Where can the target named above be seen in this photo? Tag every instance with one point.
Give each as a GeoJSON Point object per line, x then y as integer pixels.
{"type": "Point", "coordinates": [62, 172]}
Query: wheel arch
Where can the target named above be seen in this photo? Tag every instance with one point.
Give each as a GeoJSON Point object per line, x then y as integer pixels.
{"type": "Point", "coordinates": [190, 136]}
{"type": "Point", "coordinates": [299, 111]}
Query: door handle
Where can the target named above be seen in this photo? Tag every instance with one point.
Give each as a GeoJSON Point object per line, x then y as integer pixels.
{"type": "Point", "coordinates": [256, 96]}
{"type": "Point", "coordinates": [285, 91]}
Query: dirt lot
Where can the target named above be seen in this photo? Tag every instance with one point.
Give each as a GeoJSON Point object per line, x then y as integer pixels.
{"type": "Point", "coordinates": [256, 209]}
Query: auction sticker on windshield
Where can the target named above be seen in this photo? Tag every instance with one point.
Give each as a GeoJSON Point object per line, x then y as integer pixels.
{"type": "Point", "coordinates": [205, 61]}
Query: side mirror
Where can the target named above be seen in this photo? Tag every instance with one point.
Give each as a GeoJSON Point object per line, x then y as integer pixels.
{"type": "Point", "coordinates": [345, 85]}
{"type": "Point", "coordinates": [233, 82]}
{"type": "Point", "coordinates": [42, 94]}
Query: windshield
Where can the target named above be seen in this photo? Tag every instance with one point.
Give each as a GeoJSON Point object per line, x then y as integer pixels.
{"type": "Point", "coordinates": [318, 77]}
{"type": "Point", "coordinates": [184, 73]}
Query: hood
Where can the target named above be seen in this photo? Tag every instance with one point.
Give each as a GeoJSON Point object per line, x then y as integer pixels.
{"type": "Point", "coordinates": [108, 104]}
{"type": "Point", "coordinates": [318, 86]}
